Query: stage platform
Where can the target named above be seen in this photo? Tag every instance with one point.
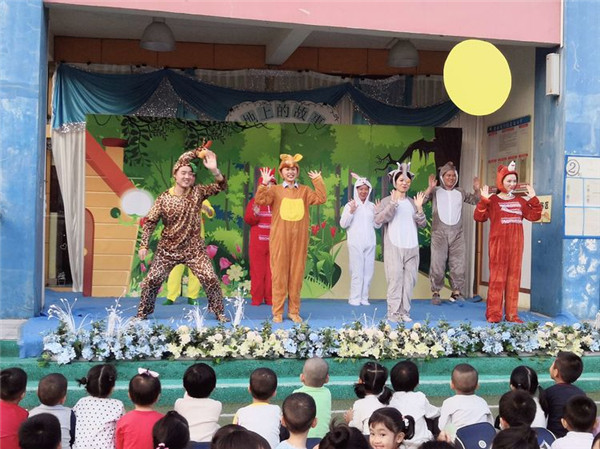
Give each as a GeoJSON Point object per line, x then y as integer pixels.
{"type": "Point", "coordinates": [319, 313]}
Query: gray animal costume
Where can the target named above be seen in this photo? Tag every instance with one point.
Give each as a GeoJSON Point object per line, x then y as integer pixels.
{"type": "Point", "coordinates": [401, 247]}
{"type": "Point", "coordinates": [447, 240]}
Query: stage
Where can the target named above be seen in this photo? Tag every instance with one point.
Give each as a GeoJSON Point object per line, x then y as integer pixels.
{"type": "Point", "coordinates": [317, 313]}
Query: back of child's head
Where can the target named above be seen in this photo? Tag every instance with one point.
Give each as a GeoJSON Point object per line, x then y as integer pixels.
{"type": "Point", "coordinates": [405, 376]}
{"type": "Point", "coordinates": [52, 389]}
{"type": "Point", "coordinates": [465, 378]}
{"type": "Point", "coordinates": [100, 380]}
{"type": "Point", "coordinates": [520, 437]}
{"type": "Point", "coordinates": [517, 408]}
{"type": "Point", "coordinates": [393, 420]}
{"type": "Point", "coordinates": [223, 432]}
{"type": "Point", "coordinates": [40, 432]}
{"type": "Point", "coordinates": [342, 436]}
{"type": "Point", "coordinates": [315, 372]}
{"type": "Point", "coordinates": [263, 383]}
{"type": "Point", "coordinates": [13, 383]}
{"type": "Point", "coordinates": [437, 445]}
{"type": "Point", "coordinates": [144, 387]}
{"type": "Point", "coordinates": [199, 380]}
{"type": "Point", "coordinates": [580, 413]}
{"type": "Point", "coordinates": [569, 366]}
{"type": "Point", "coordinates": [524, 378]}
{"type": "Point", "coordinates": [373, 377]}
{"type": "Point", "coordinates": [171, 432]}
{"type": "Point", "coordinates": [240, 438]}
{"type": "Point", "coordinates": [299, 411]}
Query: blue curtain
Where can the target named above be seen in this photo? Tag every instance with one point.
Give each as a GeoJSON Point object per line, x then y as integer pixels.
{"type": "Point", "coordinates": [77, 93]}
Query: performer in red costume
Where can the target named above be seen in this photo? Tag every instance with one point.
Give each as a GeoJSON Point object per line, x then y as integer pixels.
{"type": "Point", "coordinates": [259, 219]}
{"type": "Point", "coordinates": [506, 212]}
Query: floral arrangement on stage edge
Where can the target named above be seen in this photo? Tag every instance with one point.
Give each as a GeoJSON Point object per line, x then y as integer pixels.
{"type": "Point", "coordinates": [118, 338]}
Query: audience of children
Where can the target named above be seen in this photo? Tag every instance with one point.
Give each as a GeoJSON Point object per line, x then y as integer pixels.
{"type": "Point", "coordinates": [525, 378]}
{"type": "Point", "coordinates": [372, 393]}
{"type": "Point", "coordinates": [97, 414]}
{"type": "Point", "coordinates": [299, 416]}
{"type": "Point", "coordinates": [405, 379]}
{"type": "Point", "coordinates": [315, 375]}
{"type": "Point", "coordinates": [565, 370]}
{"type": "Point", "coordinates": [201, 412]}
{"type": "Point", "coordinates": [41, 431]}
{"type": "Point", "coordinates": [261, 416]}
{"type": "Point", "coordinates": [408, 421]}
{"type": "Point", "coordinates": [388, 428]}
{"type": "Point", "coordinates": [578, 419]}
{"type": "Point", "coordinates": [465, 407]}
{"type": "Point", "coordinates": [13, 384]}
{"type": "Point", "coordinates": [134, 430]}
{"type": "Point", "coordinates": [52, 393]}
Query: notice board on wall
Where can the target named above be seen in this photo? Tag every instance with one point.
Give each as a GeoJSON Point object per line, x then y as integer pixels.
{"type": "Point", "coordinates": [510, 141]}
{"type": "Point", "coordinates": [582, 197]}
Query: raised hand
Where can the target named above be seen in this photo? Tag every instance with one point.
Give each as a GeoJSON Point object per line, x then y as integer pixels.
{"type": "Point", "coordinates": [530, 191]}
{"type": "Point", "coordinates": [377, 203]}
{"type": "Point", "coordinates": [419, 199]}
{"type": "Point", "coordinates": [210, 160]}
{"type": "Point", "coordinates": [353, 206]}
{"type": "Point", "coordinates": [432, 182]}
{"type": "Point", "coordinates": [485, 192]}
{"type": "Point", "coordinates": [312, 174]}
{"type": "Point", "coordinates": [265, 173]}
{"type": "Point", "coordinates": [395, 195]}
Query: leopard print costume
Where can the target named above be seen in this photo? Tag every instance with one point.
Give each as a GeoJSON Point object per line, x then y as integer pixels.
{"type": "Point", "coordinates": [180, 242]}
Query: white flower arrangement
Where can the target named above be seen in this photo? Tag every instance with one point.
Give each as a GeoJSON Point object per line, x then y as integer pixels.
{"type": "Point", "coordinates": [137, 340]}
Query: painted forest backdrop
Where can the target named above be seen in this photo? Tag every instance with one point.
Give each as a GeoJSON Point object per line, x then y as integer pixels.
{"type": "Point", "coordinates": [145, 149]}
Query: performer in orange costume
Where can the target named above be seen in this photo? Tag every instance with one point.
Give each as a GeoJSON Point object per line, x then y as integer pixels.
{"type": "Point", "coordinates": [506, 212]}
{"type": "Point", "coordinates": [289, 231]}
{"type": "Point", "coordinates": [259, 219]}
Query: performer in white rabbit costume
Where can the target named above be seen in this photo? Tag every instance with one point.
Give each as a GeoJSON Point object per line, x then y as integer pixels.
{"type": "Point", "coordinates": [447, 239]}
{"type": "Point", "coordinates": [401, 216]}
{"type": "Point", "coordinates": [358, 218]}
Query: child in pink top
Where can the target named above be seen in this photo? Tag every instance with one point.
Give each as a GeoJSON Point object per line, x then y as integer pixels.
{"type": "Point", "coordinates": [134, 430]}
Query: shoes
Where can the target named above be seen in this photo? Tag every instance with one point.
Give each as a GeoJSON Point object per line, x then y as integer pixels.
{"type": "Point", "coordinates": [457, 297]}
{"type": "Point", "coordinates": [435, 299]}
{"type": "Point", "coordinates": [354, 302]}
{"type": "Point", "coordinates": [397, 317]}
{"type": "Point", "coordinates": [295, 317]}
{"type": "Point", "coordinates": [365, 302]}
{"type": "Point", "coordinates": [493, 320]}
{"type": "Point", "coordinates": [406, 318]}
{"type": "Point", "coordinates": [514, 319]}
{"type": "Point", "coordinates": [192, 302]}
{"type": "Point", "coordinates": [221, 318]}
{"type": "Point", "coordinates": [277, 319]}
{"type": "Point", "coordinates": [168, 302]}
{"type": "Point", "coordinates": [255, 303]}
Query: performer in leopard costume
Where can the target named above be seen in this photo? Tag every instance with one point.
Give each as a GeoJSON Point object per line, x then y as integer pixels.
{"type": "Point", "coordinates": [180, 241]}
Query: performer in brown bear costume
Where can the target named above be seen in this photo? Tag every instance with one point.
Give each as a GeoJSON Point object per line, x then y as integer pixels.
{"type": "Point", "coordinates": [288, 244]}
{"type": "Point", "coordinates": [506, 212]}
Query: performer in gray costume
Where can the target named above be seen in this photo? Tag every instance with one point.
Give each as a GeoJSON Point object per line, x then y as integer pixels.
{"type": "Point", "coordinates": [400, 216]}
{"type": "Point", "coordinates": [447, 240]}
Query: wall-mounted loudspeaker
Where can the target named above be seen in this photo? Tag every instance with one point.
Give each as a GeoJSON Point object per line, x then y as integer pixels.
{"type": "Point", "coordinates": [552, 74]}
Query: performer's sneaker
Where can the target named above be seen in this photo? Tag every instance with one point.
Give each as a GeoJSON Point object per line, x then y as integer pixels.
{"type": "Point", "coordinates": [405, 318]}
{"type": "Point", "coordinates": [435, 299]}
{"type": "Point", "coordinates": [192, 302]}
{"type": "Point", "coordinates": [221, 318]}
{"type": "Point", "coordinates": [365, 302]}
{"type": "Point", "coordinates": [168, 302]}
{"type": "Point", "coordinates": [514, 319]}
{"type": "Point", "coordinates": [354, 302]}
{"type": "Point", "coordinates": [295, 317]}
{"type": "Point", "coordinates": [278, 318]}
{"type": "Point", "coordinates": [457, 297]}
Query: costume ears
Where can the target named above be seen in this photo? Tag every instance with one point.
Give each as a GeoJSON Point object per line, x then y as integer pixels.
{"type": "Point", "coordinates": [295, 158]}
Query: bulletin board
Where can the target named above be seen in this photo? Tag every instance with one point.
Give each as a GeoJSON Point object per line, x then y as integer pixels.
{"type": "Point", "coordinates": [510, 141]}
{"type": "Point", "coordinates": [582, 197]}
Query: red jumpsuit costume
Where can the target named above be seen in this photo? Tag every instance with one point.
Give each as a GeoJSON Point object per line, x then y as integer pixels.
{"type": "Point", "coordinates": [505, 246]}
{"type": "Point", "coordinates": [260, 262]}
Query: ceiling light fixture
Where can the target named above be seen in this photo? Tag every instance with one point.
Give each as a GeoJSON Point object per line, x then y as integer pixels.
{"type": "Point", "coordinates": [403, 54]}
{"type": "Point", "coordinates": [158, 36]}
